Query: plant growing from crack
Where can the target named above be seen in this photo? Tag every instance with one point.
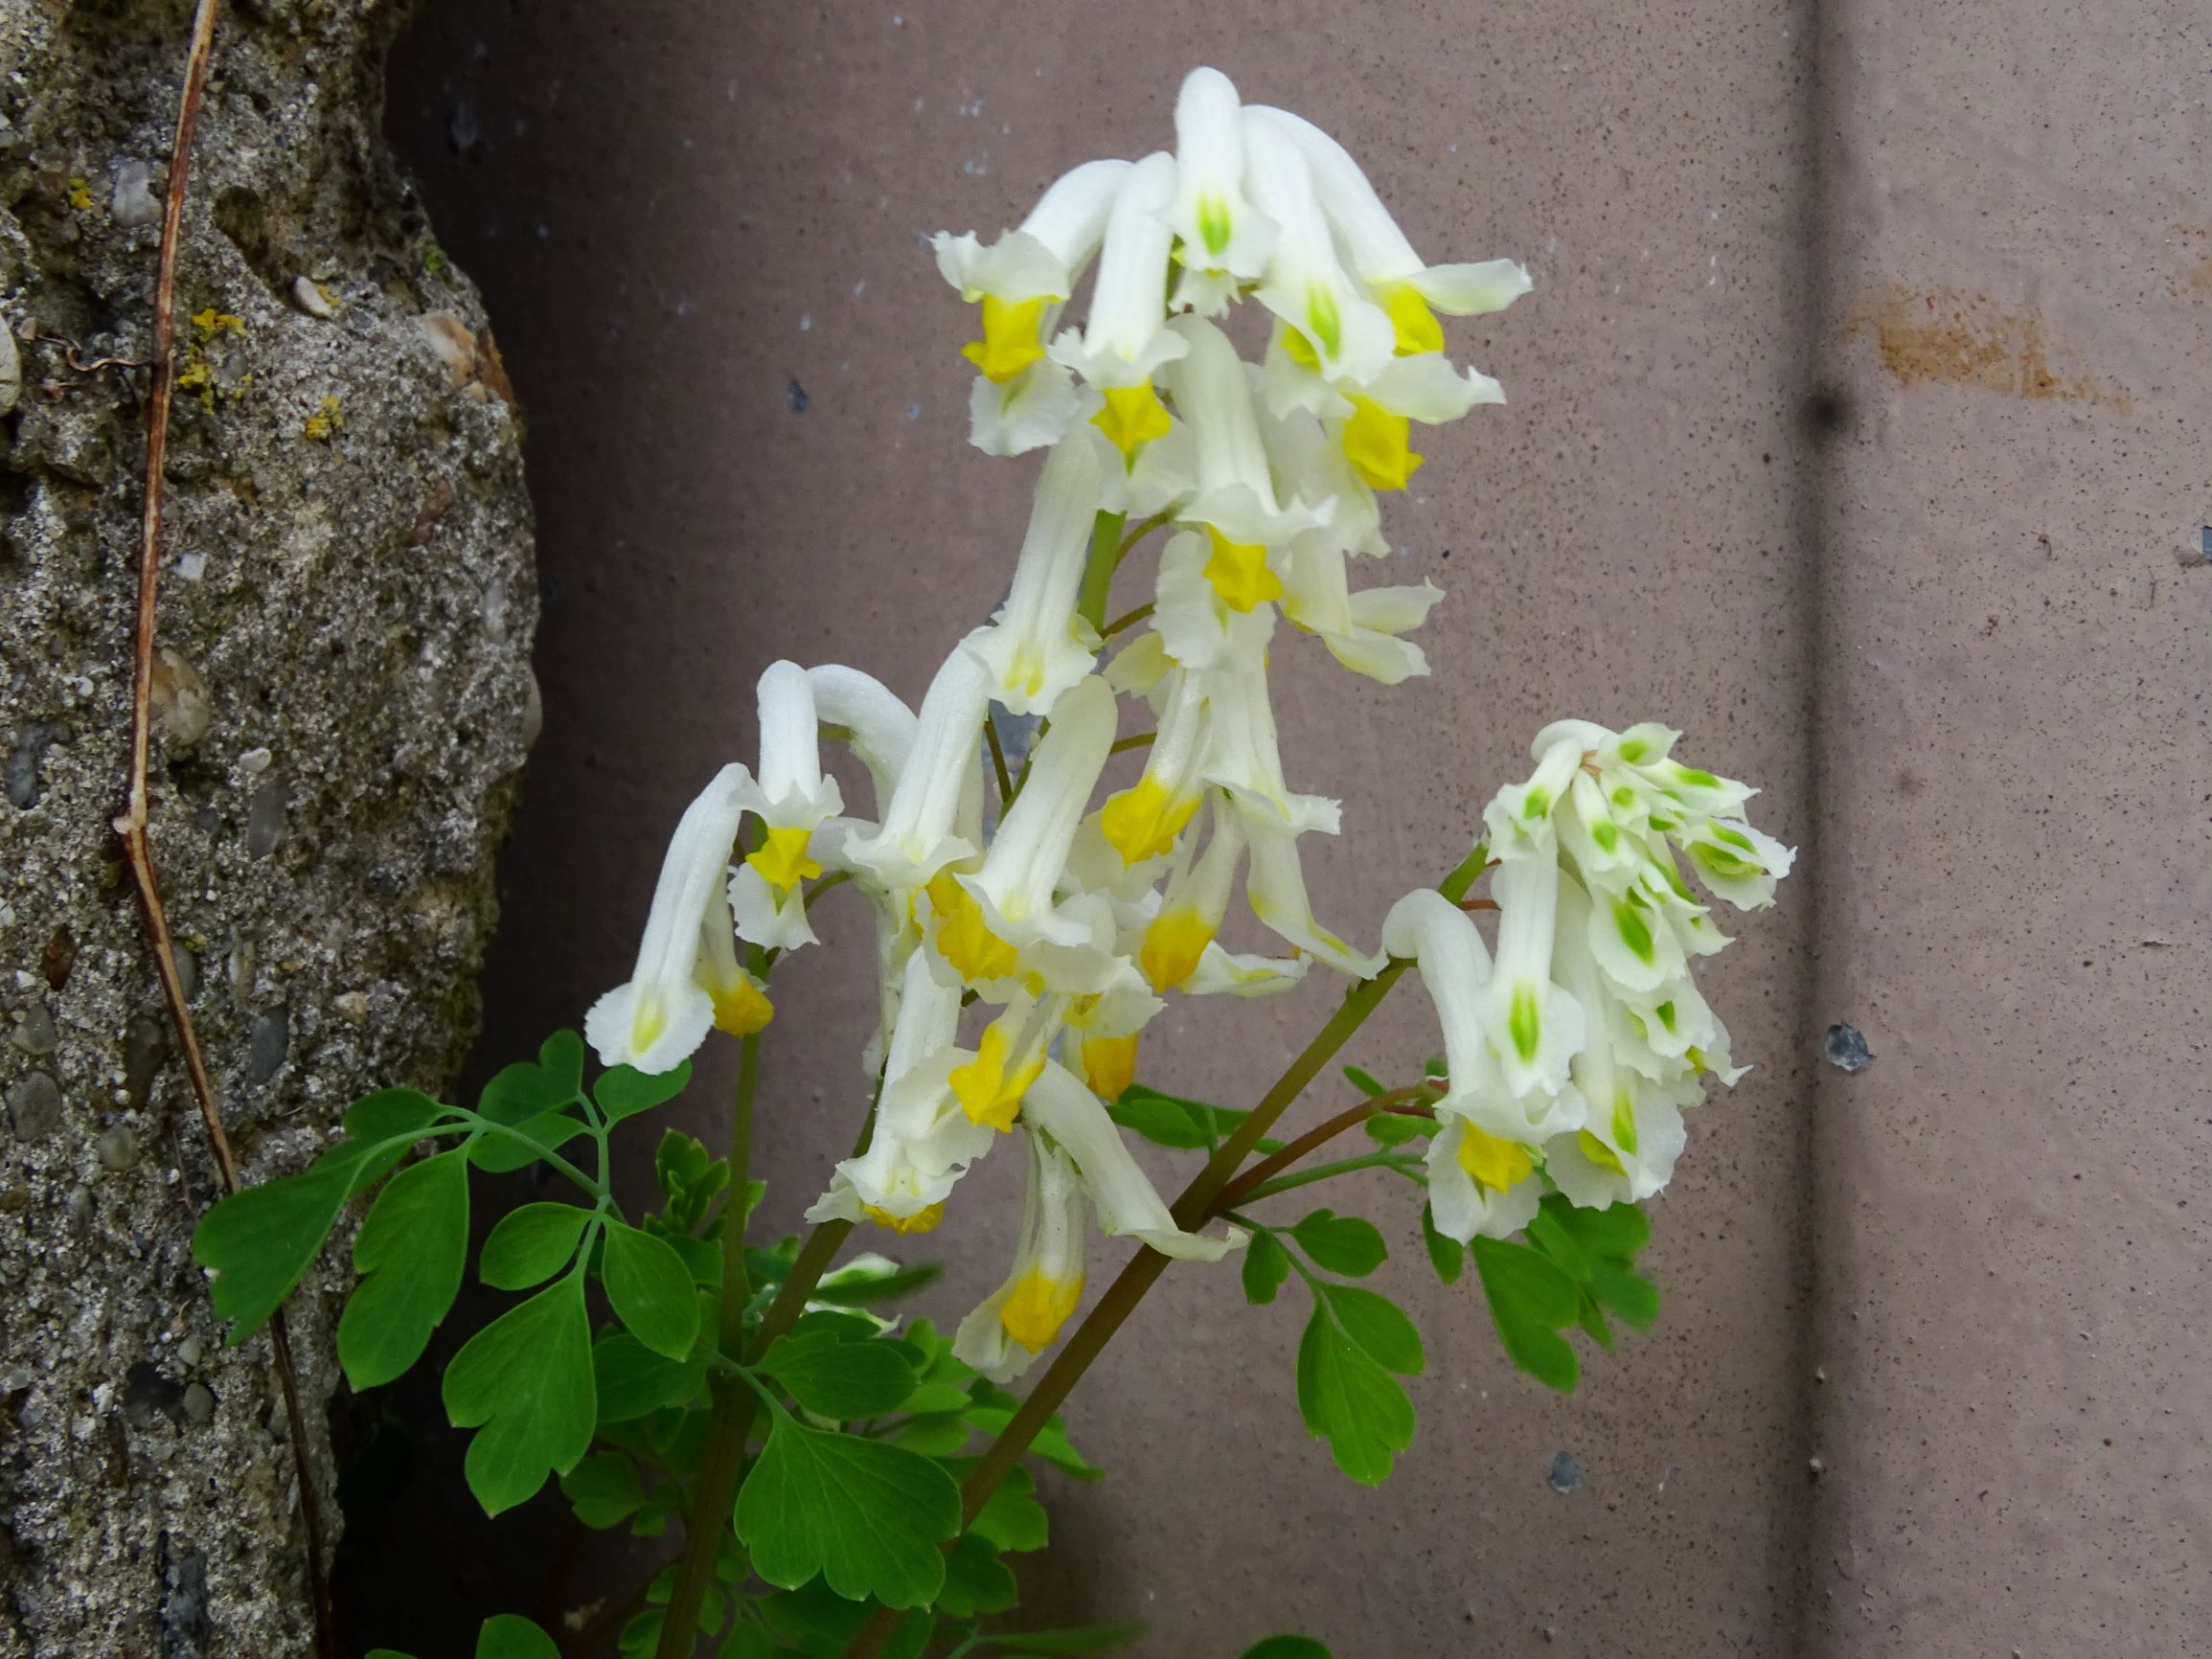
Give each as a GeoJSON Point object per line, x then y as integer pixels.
{"type": "Point", "coordinates": [849, 1482]}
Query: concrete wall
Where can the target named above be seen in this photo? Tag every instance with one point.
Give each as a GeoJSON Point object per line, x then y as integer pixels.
{"type": "Point", "coordinates": [1850, 431]}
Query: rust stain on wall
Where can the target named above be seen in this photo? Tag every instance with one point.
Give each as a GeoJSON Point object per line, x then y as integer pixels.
{"type": "Point", "coordinates": [1952, 337]}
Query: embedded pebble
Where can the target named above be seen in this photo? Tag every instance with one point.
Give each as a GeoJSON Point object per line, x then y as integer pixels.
{"type": "Point", "coordinates": [133, 203]}
{"type": "Point", "coordinates": [23, 782]}
{"type": "Point", "coordinates": [34, 1032]}
{"type": "Point", "coordinates": [533, 710]}
{"type": "Point", "coordinates": [117, 1149]}
{"type": "Point", "coordinates": [310, 297]}
{"type": "Point", "coordinates": [198, 1403]}
{"type": "Point", "coordinates": [354, 1005]}
{"type": "Point", "coordinates": [1566, 1474]}
{"type": "Point", "coordinates": [187, 971]}
{"type": "Point", "coordinates": [35, 1107]}
{"type": "Point", "coordinates": [255, 762]}
{"type": "Point", "coordinates": [145, 1047]}
{"type": "Point", "coordinates": [11, 371]}
{"type": "Point", "coordinates": [1847, 1049]}
{"type": "Point", "coordinates": [265, 817]}
{"type": "Point", "coordinates": [452, 343]}
{"type": "Point", "coordinates": [271, 1040]}
{"type": "Point", "coordinates": [496, 611]}
{"type": "Point", "coordinates": [192, 1350]}
{"type": "Point", "coordinates": [181, 707]}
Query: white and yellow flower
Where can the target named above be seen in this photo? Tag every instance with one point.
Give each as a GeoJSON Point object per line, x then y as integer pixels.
{"type": "Point", "coordinates": [792, 800]}
{"type": "Point", "coordinates": [1015, 1322]}
{"type": "Point", "coordinates": [1124, 342]}
{"type": "Point", "coordinates": [1223, 240]}
{"type": "Point", "coordinates": [1021, 398]}
{"type": "Point", "coordinates": [1142, 822]}
{"type": "Point", "coordinates": [687, 980]}
{"type": "Point", "coordinates": [933, 816]}
{"type": "Point", "coordinates": [1306, 284]}
{"type": "Point", "coordinates": [1036, 647]}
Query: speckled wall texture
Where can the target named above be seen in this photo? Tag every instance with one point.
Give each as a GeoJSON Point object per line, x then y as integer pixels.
{"type": "Point", "coordinates": [1851, 430]}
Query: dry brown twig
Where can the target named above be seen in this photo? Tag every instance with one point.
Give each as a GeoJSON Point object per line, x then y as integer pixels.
{"type": "Point", "coordinates": [131, 822]}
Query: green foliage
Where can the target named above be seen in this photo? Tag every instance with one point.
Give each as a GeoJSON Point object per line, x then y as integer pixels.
{"type": "Point", "coordinates": [858, 1286]}
{"type": "Point", "coordinates": [1075, 1639]}
{"type": "Point", "coordinates": [1171, 1121]}
{"type": "Point", "coordinates": [1347, 1395]}
{"type": "Point", "coordinates": [866, 1515]}
{"type": "Point", "coordinates": [1577, 1267]}
{"type": "Point", "coordinates": [531, 1245]}
{"type": "Point", "coordinates": [632, 1380]}
{"type": "Point", "coordinates": [511, 1636]}
{"type": "Point", "coordinates": [409, 1252]}
{"type": "Point", "coordinates": [527, 1090]}
{"type": "Point", "coordinates": [1363, 1081]}
{"type": "Point", "coordinates": [1266, 1264]}
{"type": "Point", "coordinates": [649, 1289]}
{"type": "Point", "coordinates": [1448, 1256]}
{"type": "Point", "coordinates": [1342, 1244]}
{"type": "Point", "coordinates": [1288, 1648]}
{"type": "Point", "coordinates": [833, 1377]}
{"type": "Point", "coordinates": [623, 1092]}
{"type": "Point", "coordinates": [976, 1581]}
{"type": "Point", "coordinates": [525, 1382]}
{"type": "Point", "coordinates": [1397, 1128]}
{"type": "Point", "coordinates": [603, 1490]}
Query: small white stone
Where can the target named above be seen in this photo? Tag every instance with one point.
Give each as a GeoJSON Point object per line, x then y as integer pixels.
{"type": "Point", "coordinates": [311, 298]}
{"type": "Point", "coordinates": [255, 762]}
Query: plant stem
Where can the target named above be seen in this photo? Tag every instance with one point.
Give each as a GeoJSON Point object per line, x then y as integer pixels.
{"type": "Point", "coordinates": [1141, 740]}
{"type": "Point", "coordinates": [1297, 1178]}
{"type": "Point", "coordinates": [1098, 572]}
{"type": "Point", "coordinates": [1128, 620]}
{"type": "Point", "coordinates": [998, 764]}
{"type": "Point", "coordinates": [1320, 1135]}
{"type": "Point", "coordinates": [731, 1423]}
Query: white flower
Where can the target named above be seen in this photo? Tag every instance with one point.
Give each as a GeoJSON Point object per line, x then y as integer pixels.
{"type": "Point", "coordinates": [1534, 1024]}
{"type": "Point", "coordinates": [1127, 1203]}
{"type": "Point", "coordinates": [1479, 1185]}
{"type": "Point", "coordinates": [1234, 497]}
{"type": "Point", "coordinates": [1306, 286]}
{"type": "Point", "coordinates": [1036, 647]}
{"type": "Point", "coordinates": [1021, 398]}
{"type": "Point", "coordinates": [923, 1141]}
{"type": "Point", "coordinates": [1245, 755]}
{"type": "Point", "coordinates": [880, 726]}
{"type": "Point", "coordinates": [1122, 343]}
{"type": "Point", "coordinates": [920, 833]}
{"type": "Point", "coordinates": [985, 921]}
{"type": "Point", "coordinates": [792, 800]}
{"type": "Point", "coordinates": [1225, 239]}
{"type": "Point", "coordinates": [1140, 822]}
{"type": "Point", "coordinates": [1360, 629]}
{"type": "Point", "coordinates": [1275, 888]}
{"type": "Point", "coordinates": [1020, 1320]}
{"type": "Point", "coordinates": [687, 978]}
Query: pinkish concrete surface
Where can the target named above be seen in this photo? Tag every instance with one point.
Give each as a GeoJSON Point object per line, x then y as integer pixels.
{"type": "Point", "coordinates": [1751, 481]}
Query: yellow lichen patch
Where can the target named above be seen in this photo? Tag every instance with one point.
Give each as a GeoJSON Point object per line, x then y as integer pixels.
{"type": "Point", "coordinates": [1947, 336]}
{"type": "Point", "coordinates": [79, 196]}
{"type": "Point", "coordinates": [326, 422]}
{"type": "Point", "coordinates": [1037, 1307]}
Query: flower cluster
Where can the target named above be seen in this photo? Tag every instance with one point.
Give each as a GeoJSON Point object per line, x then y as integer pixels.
{"type": "Point", "coordinates": [1066, 914]}
{"type": "Point", "coordinates": [1570, 1057]}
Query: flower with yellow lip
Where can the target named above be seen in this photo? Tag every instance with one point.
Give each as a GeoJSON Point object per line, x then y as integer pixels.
{"type": "Point", "coordinates": [1036, 647]}
{"type": "Point", "coordinates": [1021, 399]}
{"type": "Point", "coordinates": [922, 828]}
{"type": "Point", "coordinates": [1361, 629]}
{"type": "Point", "coordinates": [1306, 284]}
{"type": "Point", "coordinates": [1123, 342]}
{"type": "Point", "coordinates": [1020, 1319]}
{"type": "Point", "coordinates": [1480, 1185]}
{"type": "Point", "coordinates": [922, 1141]}
{"type": "Point", "coordinates": [687, 977]}
{"type": "Point", "coordinates": [1110, 1064]}
{"type": "Point", "coordinates": [1007, 903]}
{"type": "Point", "coordinates": [1126, 1204]}
{"type": "Point", "coordinates": [1142, 822]}
{"type": "Point", "coordinates": [1275, 889]}
{"type": "Point", "coordinates": [1224, 240]}
{"type": "Point", "coordinates": [1008, 1058]}
{"type": "Point", "coordinates": [1192, 909]}
{"type": "Point", "coordinates": [1244, 754]}
{"type": "Point", "coordinates": [792, 800]}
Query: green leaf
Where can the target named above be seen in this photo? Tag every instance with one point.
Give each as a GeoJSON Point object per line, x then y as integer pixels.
{"type": "Point", "coordinates": [498, 1155]}
{"type": "Point", "coordinates": [848, 1288]}
{"type": "Point", "coordinates": [1288, 1648]}
{"type": "Point", "coordinates": [389, 1112]}
{"type": "Point", "coordinates": [1549, 1234]}
{"type": "Point", "coordinates": [1604, 1244]}
{"type": "Point", "coordinates": [1342, 1244]}
{"type": "Point", "coordinates": [625, 1091]}
{"type": "Point", "coordinates": [531, 1245]}
{"type": "Point", "coordinates": [410, 1253]}
{"type": "Point", "coordinates": [1266, 1264]}
{"type": "Point", "coordinates": [1344, 1395]}
{"type": "Point", "coordinates": [525, 1383]}
{"type": "Point", "coordinates": [1012, 1517]}
{"type": "Point", "coordinates": [976, 1581]}
{"type": "Point", "coordinates": [836, 1378]}
{"type": "Point", "coordinates": [1163, 1120]}
{"type": "Point", "coordinates": [1396, 1129]}
{"type": "Point", "coordinates": [1363, 1081]}
{"type": "Point", "coordinates": [1051, 1442]}
{"type": "Point", "coordinates": [938, 1435]}
{"type": "Point", "coordinates": [866, 1515]}
{"type": "Point", "coordinates": [388, 1653]}
{"type": "Point", "coordinates": [932, 1399]}
{"type": "Point", "coordinates": [603, 1490]}
{"type": "Point", "coordinates": [1073, 1638]}
{"type": "Point", "coordinates": [1379, 1324]}
{"type": "Point", "coordinates": [1530, 1299]}
{"type": "Point", "coordinates": [1448, 1256]}
{"type": "Point", "coordinates": [512, 1636]}
{"type": "Point", "coordinates": [523, 1090]}
{"type": "Point", "coordinates": [649, 1289]}
{"type": "Point", "coordinates": [632, 1380]}
{"type": "Point", "coordinates": [259, 1242]}
{"type": "Point", "coordinates": [1626, 1295]}
{"type": "Point", "coordinates": [819, 1622]}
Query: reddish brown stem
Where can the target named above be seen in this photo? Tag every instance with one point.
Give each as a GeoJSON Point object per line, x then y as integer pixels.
{"type": "Point", "coordinates": [131, 822]}
{"type": "Point", "coordinates": [1320, 1135]}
